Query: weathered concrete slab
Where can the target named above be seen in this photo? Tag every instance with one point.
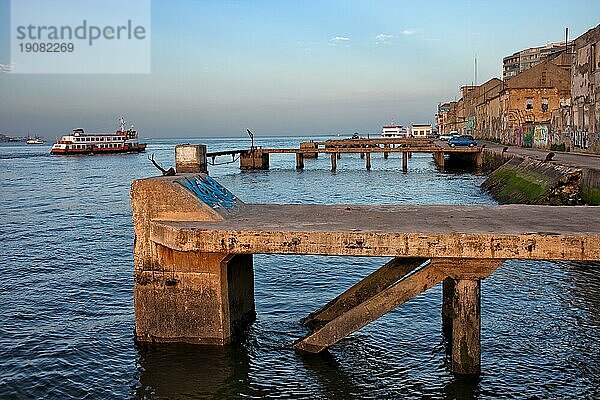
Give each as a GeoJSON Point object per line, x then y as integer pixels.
{"type": "Point", "coordinates": [491, 232]}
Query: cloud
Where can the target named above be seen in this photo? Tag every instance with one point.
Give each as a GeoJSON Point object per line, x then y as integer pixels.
{"type": "Point", "coordinates": [408, 32]}
{"type": "Point", "coordinates": [6, 68]}
{"type": "Point", "coordinates": [339, 39]}
{"type": "Point", "coordinates": [383, 38]}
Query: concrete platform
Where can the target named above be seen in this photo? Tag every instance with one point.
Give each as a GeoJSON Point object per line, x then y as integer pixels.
{"type": "Point", "coordinates": [480, 232]}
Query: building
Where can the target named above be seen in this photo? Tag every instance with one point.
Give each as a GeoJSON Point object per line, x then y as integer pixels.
{"type": "Point", "coordinates": [421, 130]}
{"type": "Point", "coordinates": [441, 116]}
{"type": "Point", "coordinates": [527, 102]}
{"type": "Point", "coordinates": [394, 131]}
{"type": "Point", "coordinates": [486, 106]}
{"type": "Point", "coordinates": [525, 59]}
{"type": "Point", "coordinates": [585, 93]}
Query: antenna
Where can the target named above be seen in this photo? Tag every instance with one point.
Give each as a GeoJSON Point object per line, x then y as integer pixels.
{"type": "Point", "coordinates": [122, 123]}
{"type": "Point", "coordinates": [475, 69]}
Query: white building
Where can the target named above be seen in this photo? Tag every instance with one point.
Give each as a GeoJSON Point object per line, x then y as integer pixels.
{"type": "Point", "coordinates": [394, 131]}
{"type": "Point", "coordinates": [421, 130]}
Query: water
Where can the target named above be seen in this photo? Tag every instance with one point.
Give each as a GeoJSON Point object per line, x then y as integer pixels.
{"type": "Point", "coordinates": [67, 283]}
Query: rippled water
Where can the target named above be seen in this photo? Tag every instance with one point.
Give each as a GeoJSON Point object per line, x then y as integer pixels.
{"type": "Point", "coordinates": [66, 294]}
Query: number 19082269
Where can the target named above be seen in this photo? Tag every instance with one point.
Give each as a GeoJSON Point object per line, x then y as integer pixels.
{"type": "Point", "coordinates": [46, 47]}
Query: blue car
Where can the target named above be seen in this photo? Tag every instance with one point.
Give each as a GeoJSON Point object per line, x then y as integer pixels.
{"type": "Point", "coordinates": [462, 140]}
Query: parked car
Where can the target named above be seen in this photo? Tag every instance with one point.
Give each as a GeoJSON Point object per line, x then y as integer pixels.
{"type": "Point", "coordinates": [462, 140]}
{"type": "Point", "coordinates": [448, 136]}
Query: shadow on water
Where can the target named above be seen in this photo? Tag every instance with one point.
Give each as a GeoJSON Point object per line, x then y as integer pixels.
{"type": "Point", "coordinates": [334, 381]}
{"type": "Point", "coordinates": [178, 371]}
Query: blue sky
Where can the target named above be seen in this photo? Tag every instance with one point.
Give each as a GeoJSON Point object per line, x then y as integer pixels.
{"type": "Point", "coordinates": [290, 67]}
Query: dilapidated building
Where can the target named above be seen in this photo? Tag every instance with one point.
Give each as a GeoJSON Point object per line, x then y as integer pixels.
{"type": "Point", "coordinates": [585, 93]}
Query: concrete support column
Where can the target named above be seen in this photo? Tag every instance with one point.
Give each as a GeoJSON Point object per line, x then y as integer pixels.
{"type": "Point", "coordinates": [479, 159]}
{"type": "Point", "coordinates": [362, 155]}
{"type": "Point", "coordinates": [466, 327]}
{"type": "Point", "coordinates": [447, 307]}
{"type": "Point", "coordinates": [254, 159]}
{"type": "Point", "coordinates": [299, 161]}
{"type": "Point", "coordinates": [404, 161]}
{"type": "Point", "coordinates": [339, 156]}
{"type": "Point", "coordinates": [333, 162]}
{"type": "Point", "coordinates": [193, 297]}
{"type": "Point", "coordinates": [385, 153]}
{"type": "Point", "coordinates": [368, 162]}
{"type": "Point", "coordinates": [190, 158]}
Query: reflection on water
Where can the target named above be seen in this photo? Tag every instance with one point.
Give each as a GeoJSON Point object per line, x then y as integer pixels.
{"type": "Point", "coordinates": [67, 309]}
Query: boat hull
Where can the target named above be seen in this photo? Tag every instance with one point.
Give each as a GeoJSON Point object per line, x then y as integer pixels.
{"type": "Point", "coordinates": [98, 150]}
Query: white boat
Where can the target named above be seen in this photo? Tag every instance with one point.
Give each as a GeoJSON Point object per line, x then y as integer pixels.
{"type": "Point", "coordinates": [79, 142]}
{"type": "Point", "coordinates": [34, 140]}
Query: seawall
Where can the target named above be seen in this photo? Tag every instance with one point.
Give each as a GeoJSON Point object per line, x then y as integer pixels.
{"type": "Point", "coordinates": [519, 179]}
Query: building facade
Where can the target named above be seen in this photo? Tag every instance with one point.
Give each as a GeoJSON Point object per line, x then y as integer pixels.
{"type": "Point", "coordinates": [527, 58]}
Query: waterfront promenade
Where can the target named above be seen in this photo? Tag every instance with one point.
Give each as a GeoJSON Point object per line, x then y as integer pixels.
{"type": "Point", "coordinates": [569, 159]}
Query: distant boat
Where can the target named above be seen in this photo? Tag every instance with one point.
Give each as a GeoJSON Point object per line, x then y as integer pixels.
{"type": "Point", "coordinates": [79, 142]}
{"type": "Point", "coordinates": [34, 140]}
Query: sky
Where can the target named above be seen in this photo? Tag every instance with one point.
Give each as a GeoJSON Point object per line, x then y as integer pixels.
{"type": "Point", "coordinates": [289, 67]}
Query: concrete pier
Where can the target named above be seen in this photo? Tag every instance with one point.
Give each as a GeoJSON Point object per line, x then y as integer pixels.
{"type": "Point", "coordinates": [194, 242]}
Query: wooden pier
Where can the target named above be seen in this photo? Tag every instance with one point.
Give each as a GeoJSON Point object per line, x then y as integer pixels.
{"type": "Point", "coordinates": [258, 158]}
{"type": "Point", "coordinates": [194, 241]}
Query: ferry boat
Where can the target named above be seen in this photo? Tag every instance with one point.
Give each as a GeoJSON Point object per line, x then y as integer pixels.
{"type": "Point", "coordinates": [394, 131]}
{"type": "Point", "coordinates": [79, 142]}
{"type": "Point", "coordinates": [34, 140]}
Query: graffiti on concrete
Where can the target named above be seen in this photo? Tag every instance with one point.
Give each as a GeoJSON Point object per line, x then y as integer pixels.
{"type": "Point", "coordinates": [540, 136]}
{"type": "Point", "coordinates": [528, 136]}
{"type": "Point", "coordinates": [211, 192]}
{"type": "Point", "coordinates": [580, 139]}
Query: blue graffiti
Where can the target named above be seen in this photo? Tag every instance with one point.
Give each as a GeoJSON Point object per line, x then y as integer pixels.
{"type": "Point", "coordinates": [211, 192]}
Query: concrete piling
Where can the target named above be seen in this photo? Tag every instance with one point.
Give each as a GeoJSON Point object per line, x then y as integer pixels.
{"type": "Point", "coordinates": [254, 159]}
{"type": "Point", "coordinates": [404, 161]}
{"type": "Point", "coordinates": [299, 161]}
{"type": "Point", "coordinates": [333, 162]}
{"type": "Point", "coordinates": [466, 327]}
{"type": "Point", "coordinates": [190, 158]}
{"type": "Point", "coordinates": [368, 162]}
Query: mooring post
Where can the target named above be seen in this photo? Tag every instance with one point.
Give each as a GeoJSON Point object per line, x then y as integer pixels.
{"type": "Point", "coordinates": [333, 162]}
{"type": "Point", "coordinates": [368, 161]}
{"type": "Point", "coordinates": [466, 327]}
{"type": "Point", "coordinates": [299, 161]}
{"type": "Point", "coordinates": [404, 161]}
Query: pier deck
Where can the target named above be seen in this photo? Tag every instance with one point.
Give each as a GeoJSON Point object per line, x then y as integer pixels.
{"type": "Point", "coordinates": [489, 232]}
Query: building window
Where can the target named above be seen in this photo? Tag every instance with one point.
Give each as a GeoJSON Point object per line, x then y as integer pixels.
{"type": "Point", "coordinates": [529, 104]}
{"type": "Point", "coordinates": [544, 104]}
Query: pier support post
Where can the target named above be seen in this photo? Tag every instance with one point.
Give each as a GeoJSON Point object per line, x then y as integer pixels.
{"type": "Point", "coordinates": [254, 159]}
{"type": "Point", "coordinates": [447, 307]}
{"type": "Point", "coordinates": [466, 327]}
{"type": "Point", "coordinates": [299, 161]}
{"type": "Point", "coordinates": [404, 161]}
{"type": "Point", "coordinates": [438, 156]}
{"type": "Point", "coordinates": [186, 296]}
{"type": "Point", "coordinates": [362, 154]}
{"type": "Point", "coordinates": [479, 159]}
{"type": "Point", "coordinates": [385, 153]}
{"type": "Point", "coordinates": [190, 158]}
{"type": "Point", "coordinates": [333, 162]}
{"type": "Point", "coordinates": [368, 162]}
